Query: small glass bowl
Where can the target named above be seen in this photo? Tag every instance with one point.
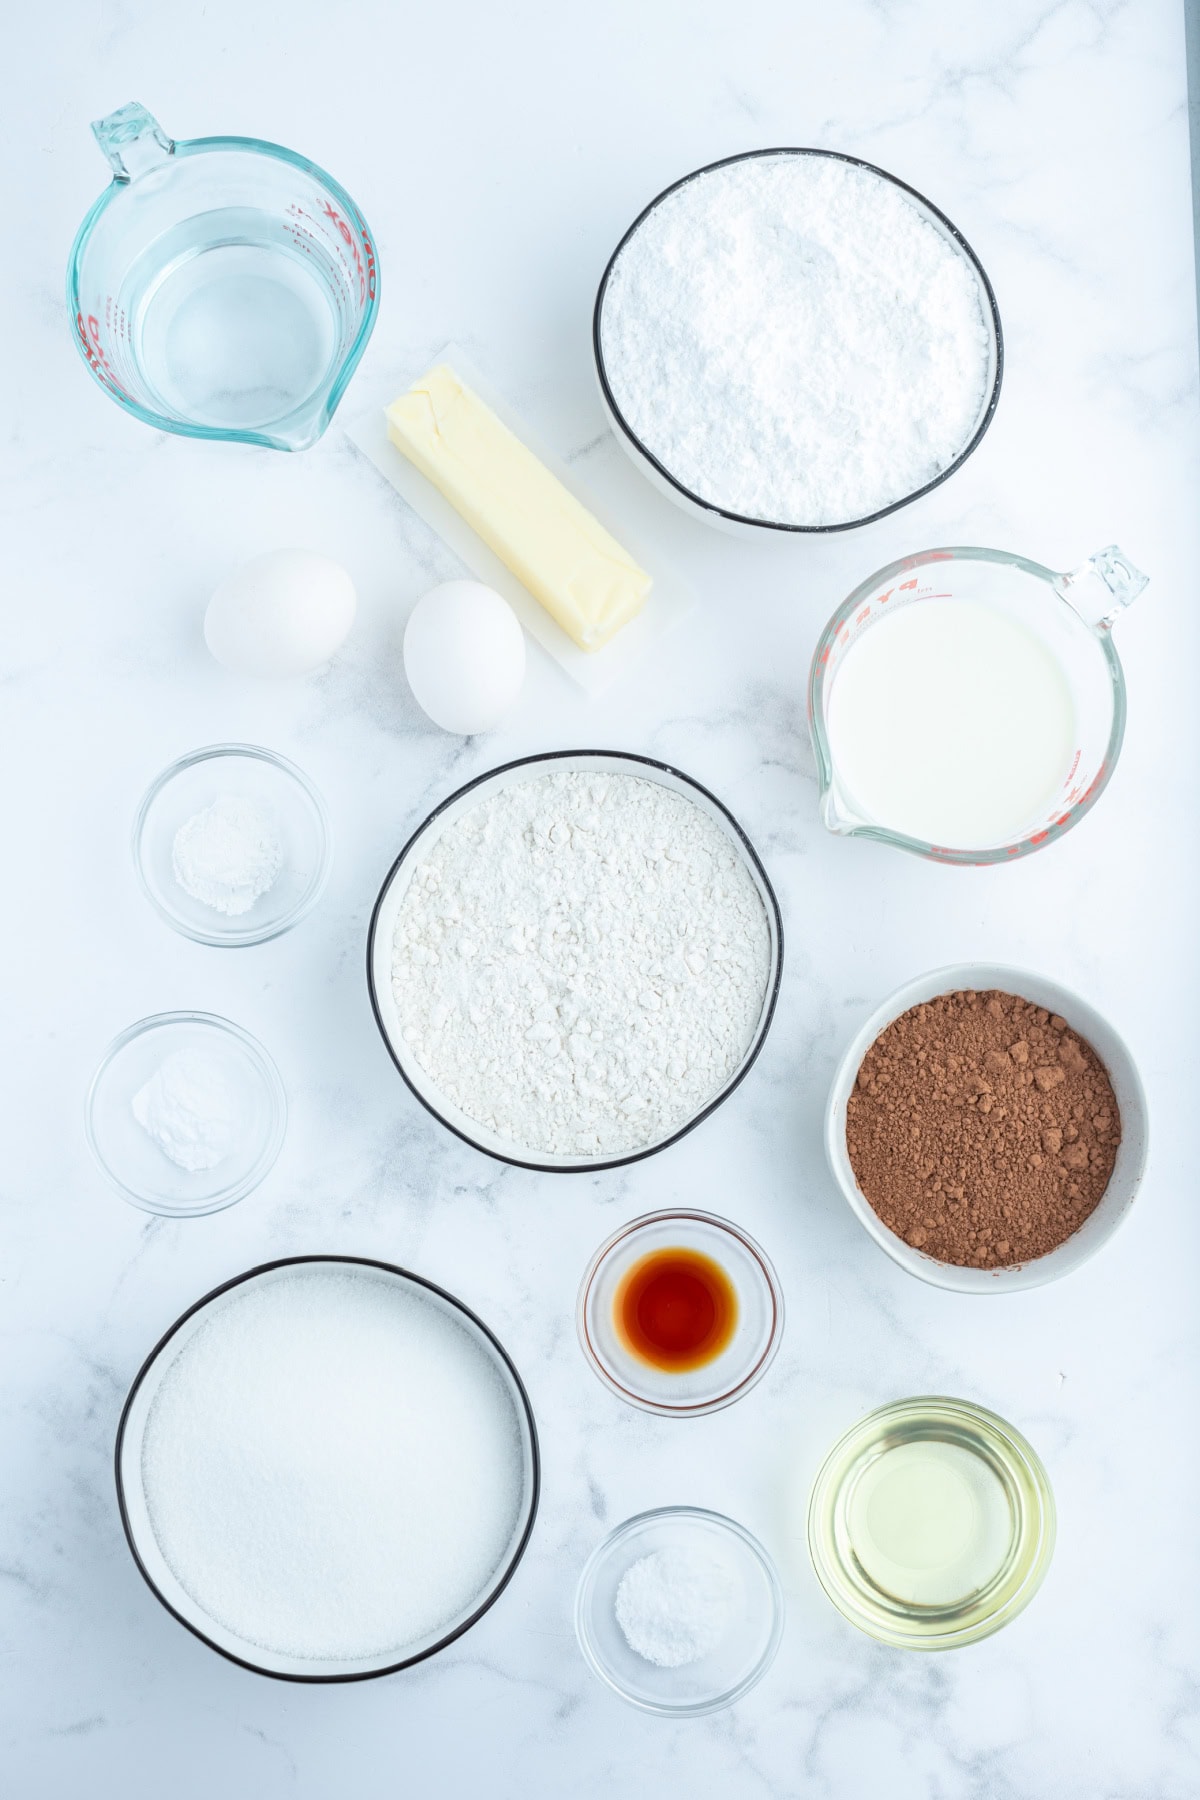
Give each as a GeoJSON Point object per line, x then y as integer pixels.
{"type": "Point", "coordinates": [299, 817]}
{"type": "Point", "coordinates": [128, 1156]}
{"type": "Point", "coordinates": [756, 1614]}
{"type": "Point", "coordinates": [979, 1562]}
{"type": "Point", "coordinates": [732, 1373]}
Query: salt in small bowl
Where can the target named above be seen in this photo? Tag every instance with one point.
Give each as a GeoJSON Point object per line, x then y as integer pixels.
{"type": "Point", "coordinates": [746, 1649]}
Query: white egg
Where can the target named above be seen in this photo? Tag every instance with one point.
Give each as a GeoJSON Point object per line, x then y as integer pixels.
{"type": "Point", "coordinates": [464, 655]}
{"type": "Point", "coordinates": [284, 613]}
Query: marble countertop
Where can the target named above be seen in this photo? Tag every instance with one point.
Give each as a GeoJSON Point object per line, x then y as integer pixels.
{"type": "Point", "coordinates": [499, 152]}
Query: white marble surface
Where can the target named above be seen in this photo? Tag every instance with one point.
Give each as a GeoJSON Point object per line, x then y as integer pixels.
{"type": "Point", "coordinates": [498, 152]}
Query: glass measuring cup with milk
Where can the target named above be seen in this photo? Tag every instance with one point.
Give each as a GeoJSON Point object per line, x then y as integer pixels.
{"type": "Point", "coordinates": [968, 705]}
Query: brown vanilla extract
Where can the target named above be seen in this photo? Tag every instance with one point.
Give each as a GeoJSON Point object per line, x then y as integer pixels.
{"type": "Point", "coordinates": [675, 1309]}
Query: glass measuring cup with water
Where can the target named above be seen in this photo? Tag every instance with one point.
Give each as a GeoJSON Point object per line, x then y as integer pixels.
{"type": "Point", "coordinates": [221, 287]}
{"type": "Point", "coordinates": [1060, 624]}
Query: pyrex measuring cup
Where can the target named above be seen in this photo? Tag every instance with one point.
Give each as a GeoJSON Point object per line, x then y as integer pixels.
{"type": "Point", "coordinates": [1072, 616]}
{"type": "Point", "coordinates": [221, 287]}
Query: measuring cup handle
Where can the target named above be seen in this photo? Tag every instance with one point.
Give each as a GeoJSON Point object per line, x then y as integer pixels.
{"type": "Point", "coordinates": [133, 141]}
{"type": "Point", "coordinates": [1102, 587]}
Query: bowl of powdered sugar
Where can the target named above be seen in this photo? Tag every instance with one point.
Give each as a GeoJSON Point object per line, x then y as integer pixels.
{"type": "Point", "coordinates": [327, 1469]}
{"type": "Point", "coordinates": [794, 340]}
{"type": "Point", "coordinates": [575, 959]}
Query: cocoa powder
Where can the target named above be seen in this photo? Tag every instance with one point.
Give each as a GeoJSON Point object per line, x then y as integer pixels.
{"type": "Point", "coordinates": [981, 1129]}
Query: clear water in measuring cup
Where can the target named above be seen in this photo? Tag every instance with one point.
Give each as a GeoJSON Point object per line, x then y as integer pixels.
{"type": "Point", "coordinates": [232, 324]}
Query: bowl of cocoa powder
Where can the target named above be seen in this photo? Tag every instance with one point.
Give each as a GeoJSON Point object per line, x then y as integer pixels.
{"type": "Point", "coordinates": [988, 1127]}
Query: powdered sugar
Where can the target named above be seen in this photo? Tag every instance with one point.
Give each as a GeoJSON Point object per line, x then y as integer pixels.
{"type": "Point", "coordinates": [580, 962]}
{"type": "Point", "coordinates": [228, 854]}
{"type": "Point", "coordinates": [795, 341]}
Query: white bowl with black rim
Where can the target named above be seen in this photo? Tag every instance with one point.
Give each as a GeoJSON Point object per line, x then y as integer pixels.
{"type": "Point", "coordinates": [391, 896]}
{"type": "Point", "coordinates": [1128, 1170]}
{"type": "Point", "coordinates": [164, 1580]}
{"type": "Point", "coordinates": [668, 482]}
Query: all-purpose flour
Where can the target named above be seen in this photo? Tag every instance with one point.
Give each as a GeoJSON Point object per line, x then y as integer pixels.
{"type": "Point", "coordinates": [794, 341]}
{"type": "Point", "coordinates": [580, 962]}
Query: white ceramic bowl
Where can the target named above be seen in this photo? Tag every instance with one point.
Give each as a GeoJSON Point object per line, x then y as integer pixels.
{"type": "Point", "coordinates": [1128, 1170]}
{"type": "Point", "coordinates": [387, 907]}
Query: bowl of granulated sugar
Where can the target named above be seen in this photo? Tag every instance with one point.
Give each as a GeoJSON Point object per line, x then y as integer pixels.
{"type": "Point", "coordinates": [327, 1469]}
{"type": "Point", "coordinates": [988, 1128]}
{"type": "Point", "coordinates": [795, 340]}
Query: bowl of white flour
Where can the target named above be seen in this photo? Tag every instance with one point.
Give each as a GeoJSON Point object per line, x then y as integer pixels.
{"type": "Point", "coordinates": [327, 1469]}
{"type": "Point", "coordinates": [575, 959]}
{"type": "Point", "coordinates": [795, 340]}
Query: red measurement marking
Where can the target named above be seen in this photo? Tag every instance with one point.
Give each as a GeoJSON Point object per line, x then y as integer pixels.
{"type": "Point", "coordinates": [366, 270]}
{"type": "Point", "coordinates": [93, 350]}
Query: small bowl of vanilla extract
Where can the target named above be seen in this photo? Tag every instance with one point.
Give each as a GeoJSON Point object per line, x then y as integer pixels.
{"type": "Point", "coordinates": [680, 1313]}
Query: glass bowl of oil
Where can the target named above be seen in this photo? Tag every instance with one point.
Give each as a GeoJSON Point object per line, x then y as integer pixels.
{"type": "Point", "coordinates": [680, 1313]}
{"type": "Point", "coordinates": [931, 1524]}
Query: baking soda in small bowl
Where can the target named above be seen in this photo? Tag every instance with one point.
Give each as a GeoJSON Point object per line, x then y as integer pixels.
{"type": "Point", "coordinates": [228, 854]}
{"type": "Point", "coordinates": [232, 845]}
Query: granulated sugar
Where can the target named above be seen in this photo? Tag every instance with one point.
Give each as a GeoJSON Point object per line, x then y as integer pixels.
{"type": "Point", "coordinates": [794, 341]}
{"type": "Point", "coordinates": [580, 962]}
{"type": "Point", "coordinates": [333, 1465]}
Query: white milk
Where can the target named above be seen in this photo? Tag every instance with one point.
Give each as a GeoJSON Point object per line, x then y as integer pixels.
{"type": "Point", "coordinates": [949, 721]}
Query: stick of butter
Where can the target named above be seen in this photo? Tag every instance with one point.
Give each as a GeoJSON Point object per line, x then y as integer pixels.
{"type": "Point", "coordinates": [552, 544]}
